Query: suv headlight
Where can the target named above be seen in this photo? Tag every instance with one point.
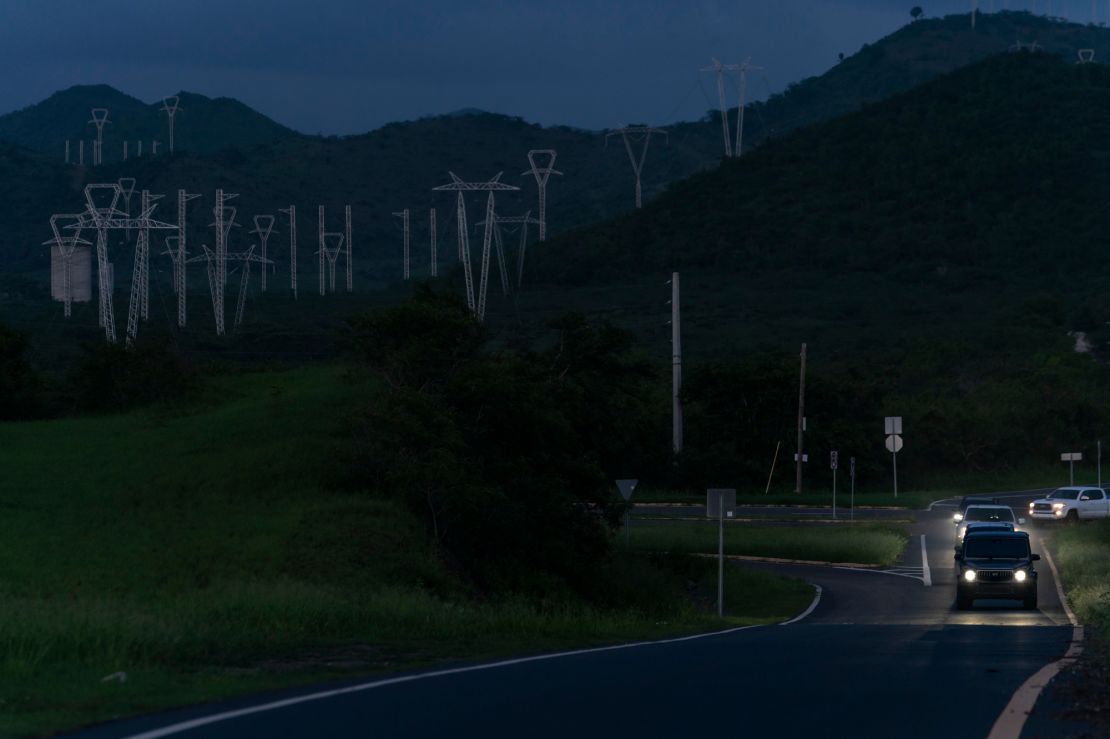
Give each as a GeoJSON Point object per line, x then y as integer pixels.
{"type": "Point", "coordinates": [969, 575]}
{"type": "Point", "coordinates": [1020, 575]}
{"type": "Point", "coordinates": [957, 517]}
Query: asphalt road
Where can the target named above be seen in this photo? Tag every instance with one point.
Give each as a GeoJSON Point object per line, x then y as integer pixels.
{"type": "Point", "coordinates": [881, 655]}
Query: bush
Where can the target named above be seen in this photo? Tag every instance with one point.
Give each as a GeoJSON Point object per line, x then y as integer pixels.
{"type": "Point", "coordinates": [20, 385]}
{"type": "Point", "coordinates": [111, 377]}
{"type": "Point", "coordinates": [509, 456]}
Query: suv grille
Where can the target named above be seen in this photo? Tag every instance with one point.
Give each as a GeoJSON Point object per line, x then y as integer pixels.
{"type": "Point", "coordinates": [995, 575]}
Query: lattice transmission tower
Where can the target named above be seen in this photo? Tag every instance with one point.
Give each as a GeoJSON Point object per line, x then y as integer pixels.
{"type": "Point", "coordinates": [170, 106]}
{"type": "Point", "coordinates": [638, 134]}
{"type": "Point", "coordinates": [99, 119]}
{"type": "Point", "coordinates": [292, 211]}
{"type": "Point", "coordinates": [263, 228]}
{"type": "Point", "coordinates": [476, 303]}
{"type": "Point", "coordinates": [404, 216]}
{"type": "Point", "coordinates": [542, 172]}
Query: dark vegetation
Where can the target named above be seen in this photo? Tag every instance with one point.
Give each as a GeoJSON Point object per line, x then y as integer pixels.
{"type": "Point", "coordinates": [508, 456]}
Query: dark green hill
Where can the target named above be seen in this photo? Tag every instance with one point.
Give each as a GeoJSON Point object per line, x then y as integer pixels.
{"type": "Point", "coordinates": [1001, 167]}
{"type": "Point", "coordinates": [202, 124]}
{"type": "Point", "coordinates": [916, 53]}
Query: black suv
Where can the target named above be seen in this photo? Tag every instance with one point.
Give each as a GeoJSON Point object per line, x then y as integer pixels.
{"type": "Point", "coordinates": [996, 564]}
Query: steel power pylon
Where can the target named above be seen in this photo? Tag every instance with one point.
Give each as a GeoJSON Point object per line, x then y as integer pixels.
{"type": "Point", "coordinates": [478, 306]}
{"type": "Point", "coordinates": [332, 247]}
{"type": "Point", "coordinates": [263, 227]}
{"type": "Point", "coordinates": [170, 106]}
{"type": "Point", "coordinates": [640, 134]}
{"type": "Point", "coordinates": [432, 241]}
{"type": "Point", "coordinates": [99, 119]}
{"type": "Point", "coordinates": [177, 249]}
{"type": "Point", "coordinates": [720, 70]}
{"type": "Point", "coordinates": [322, 249]}
{"type": "Point", "coordinates": [105, 216]}
{"type": "Point", "coordinates": [744, 67]}
{"type": "Point", "coordinates": [347, 247]}
{"type": "Point", "coordinates": [292, 211]}
{"type": "Point", "coordinates": [66, 246]}
{"type": "Point", "coordinates": [404, 216]}
{"type": "Point", "coordinates": [523, 221]}
{"type": "Point", "coordinates": [542, 173]}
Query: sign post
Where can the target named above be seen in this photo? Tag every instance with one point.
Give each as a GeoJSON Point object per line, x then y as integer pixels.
{"type": "Point", "coordinates": [833, 463]}
{"type": "Point", "coordinates": [720, 502]}
{"type": "Point", "coordinates": [1071, 458]}
{"type": "Point", "coordinates": [852, 500]}
{"type": "Point", "coordinates": [626, 487]}
{"type": "Point", "coordinates": [893, 426]}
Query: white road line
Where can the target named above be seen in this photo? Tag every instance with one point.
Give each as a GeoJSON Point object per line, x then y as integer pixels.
{"type": "Point", "coordinates": [1059, 585]}
{"type": "Point", "coordinates": [806, 612]}
{"type": "Point", "coordinates": [925, 576]}
{"type": "Point", "coordinates": [362, 687]}
{"type": "Point", "coordinates": [896, 573]}
{"type": "Point", "coordinates": [1011, 721]}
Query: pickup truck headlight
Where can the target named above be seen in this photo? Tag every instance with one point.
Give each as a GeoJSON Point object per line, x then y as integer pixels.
{"type": "Point", "coordinates": [958, 517]}
{"type": "Point", "coordinates": [1020, 575]}
{"type": "Point", "coordinates": [969, 575]}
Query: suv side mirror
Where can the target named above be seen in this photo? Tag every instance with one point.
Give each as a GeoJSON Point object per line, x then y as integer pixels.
{"type": "Point", "coordinates": [1084, 497]}
{"type": "Point", "coordinates": [1034, 558]}
{"type": "Point", "coordinates": [960, 555]}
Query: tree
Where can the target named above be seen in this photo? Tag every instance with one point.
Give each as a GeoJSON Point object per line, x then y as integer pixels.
{"type": "Point", "coordinates": [916, 12]}
{"type": "Point", "coordinates": [20, 386]}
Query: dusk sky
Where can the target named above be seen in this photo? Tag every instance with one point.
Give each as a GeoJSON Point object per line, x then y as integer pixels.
{"type": "Point", "coordinates": [344, 66]}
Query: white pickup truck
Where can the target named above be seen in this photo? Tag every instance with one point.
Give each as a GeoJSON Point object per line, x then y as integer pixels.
{"type": "Point", "coordinates": [1071, 504]}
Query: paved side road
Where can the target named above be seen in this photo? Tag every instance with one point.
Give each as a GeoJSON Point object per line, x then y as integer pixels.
{"type": "Point", "coordinates": [881, 655]}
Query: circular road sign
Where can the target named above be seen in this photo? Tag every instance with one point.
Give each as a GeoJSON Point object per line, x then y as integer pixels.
{"type": "Point", "coordinates": [894, 443]}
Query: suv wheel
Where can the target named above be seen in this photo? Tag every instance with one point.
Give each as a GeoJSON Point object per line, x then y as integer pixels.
{"type": "Point", "coordinates": [963, 602]}
{"type": "Point", "coordinates": [1030, 602]}
{"type": "Point", "coordinates": [1072, 517]}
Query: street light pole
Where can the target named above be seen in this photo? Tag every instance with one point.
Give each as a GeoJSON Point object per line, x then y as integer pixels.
{"type": "Point", "coordinates": [801, 420]}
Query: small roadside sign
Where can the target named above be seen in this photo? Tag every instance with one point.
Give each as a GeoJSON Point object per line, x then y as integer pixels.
{"type": "Point", "coordinates": [626, 487]}
{"type": "Point", "coordinates": [805, 457]}
{"type": "Point", "coordinates": [834, 460]}
{"type": "Point", "coordinates": [894, 443]}
{"type": "Point", "coordinates": [715, 498]}
{"type": "Point", "coordinates": [893, 425]}
{"type": "Point", "coordinates": [1071, 457]}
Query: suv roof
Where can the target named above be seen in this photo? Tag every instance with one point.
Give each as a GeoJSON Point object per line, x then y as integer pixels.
{"type": "Point", "coordinates": [1004, 534]}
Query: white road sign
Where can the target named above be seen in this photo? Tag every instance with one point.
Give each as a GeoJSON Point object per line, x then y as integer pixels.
{"type": "Point", "coordinates": [1071, 457]}
{"type": "Point", "coordinates": [834, 459]}
{"type": "Point", "coordinates": [626, 487]}
{"type": "Point", "coordinates": [892, 425]}
{"type": "Point", "coordinates": [894, 443]}
{"type": "Point", "coordinates": [805, 457]}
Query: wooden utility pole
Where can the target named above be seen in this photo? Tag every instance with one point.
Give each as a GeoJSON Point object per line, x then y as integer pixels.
{"type": "Point", "coordinates": [801, 420]}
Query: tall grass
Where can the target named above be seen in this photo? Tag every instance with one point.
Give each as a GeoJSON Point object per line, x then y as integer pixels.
{"type": "Point", "coordinates": [1084, 554]}
{"type": "Point", "coordinates": [876, 544]}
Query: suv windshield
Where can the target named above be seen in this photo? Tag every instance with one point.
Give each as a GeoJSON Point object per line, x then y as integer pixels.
{"type": "Point", "coordinates": [989, 514]}
{"type": "Point", "coordinates": [988, 547]}
{"type": "Point", "coordinates": [1064, 494]}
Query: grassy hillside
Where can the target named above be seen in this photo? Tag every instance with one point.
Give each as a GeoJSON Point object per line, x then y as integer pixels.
{"type": "Point", "coordinates": [198, 549]}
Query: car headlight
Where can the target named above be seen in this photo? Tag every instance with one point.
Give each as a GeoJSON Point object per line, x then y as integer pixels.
{"type": "Point", "coordinates": [1058, 506]}
{"type": "Point", "coordinates": [1020, 575]}
{"type": "Point", "coordinates": [1030, 505]}
{"type": "Point", "coordinates": [957, 517]}
{"type": "Point", "coordinates": [969, 575]}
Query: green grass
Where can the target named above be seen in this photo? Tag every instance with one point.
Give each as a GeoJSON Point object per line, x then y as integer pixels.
{"type": "Point", "coordinates": [876, 544]}
{"type": "Point", "coordinates": [199, 549]}
{"type": "Point", "coordinates": [1083, 552]}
